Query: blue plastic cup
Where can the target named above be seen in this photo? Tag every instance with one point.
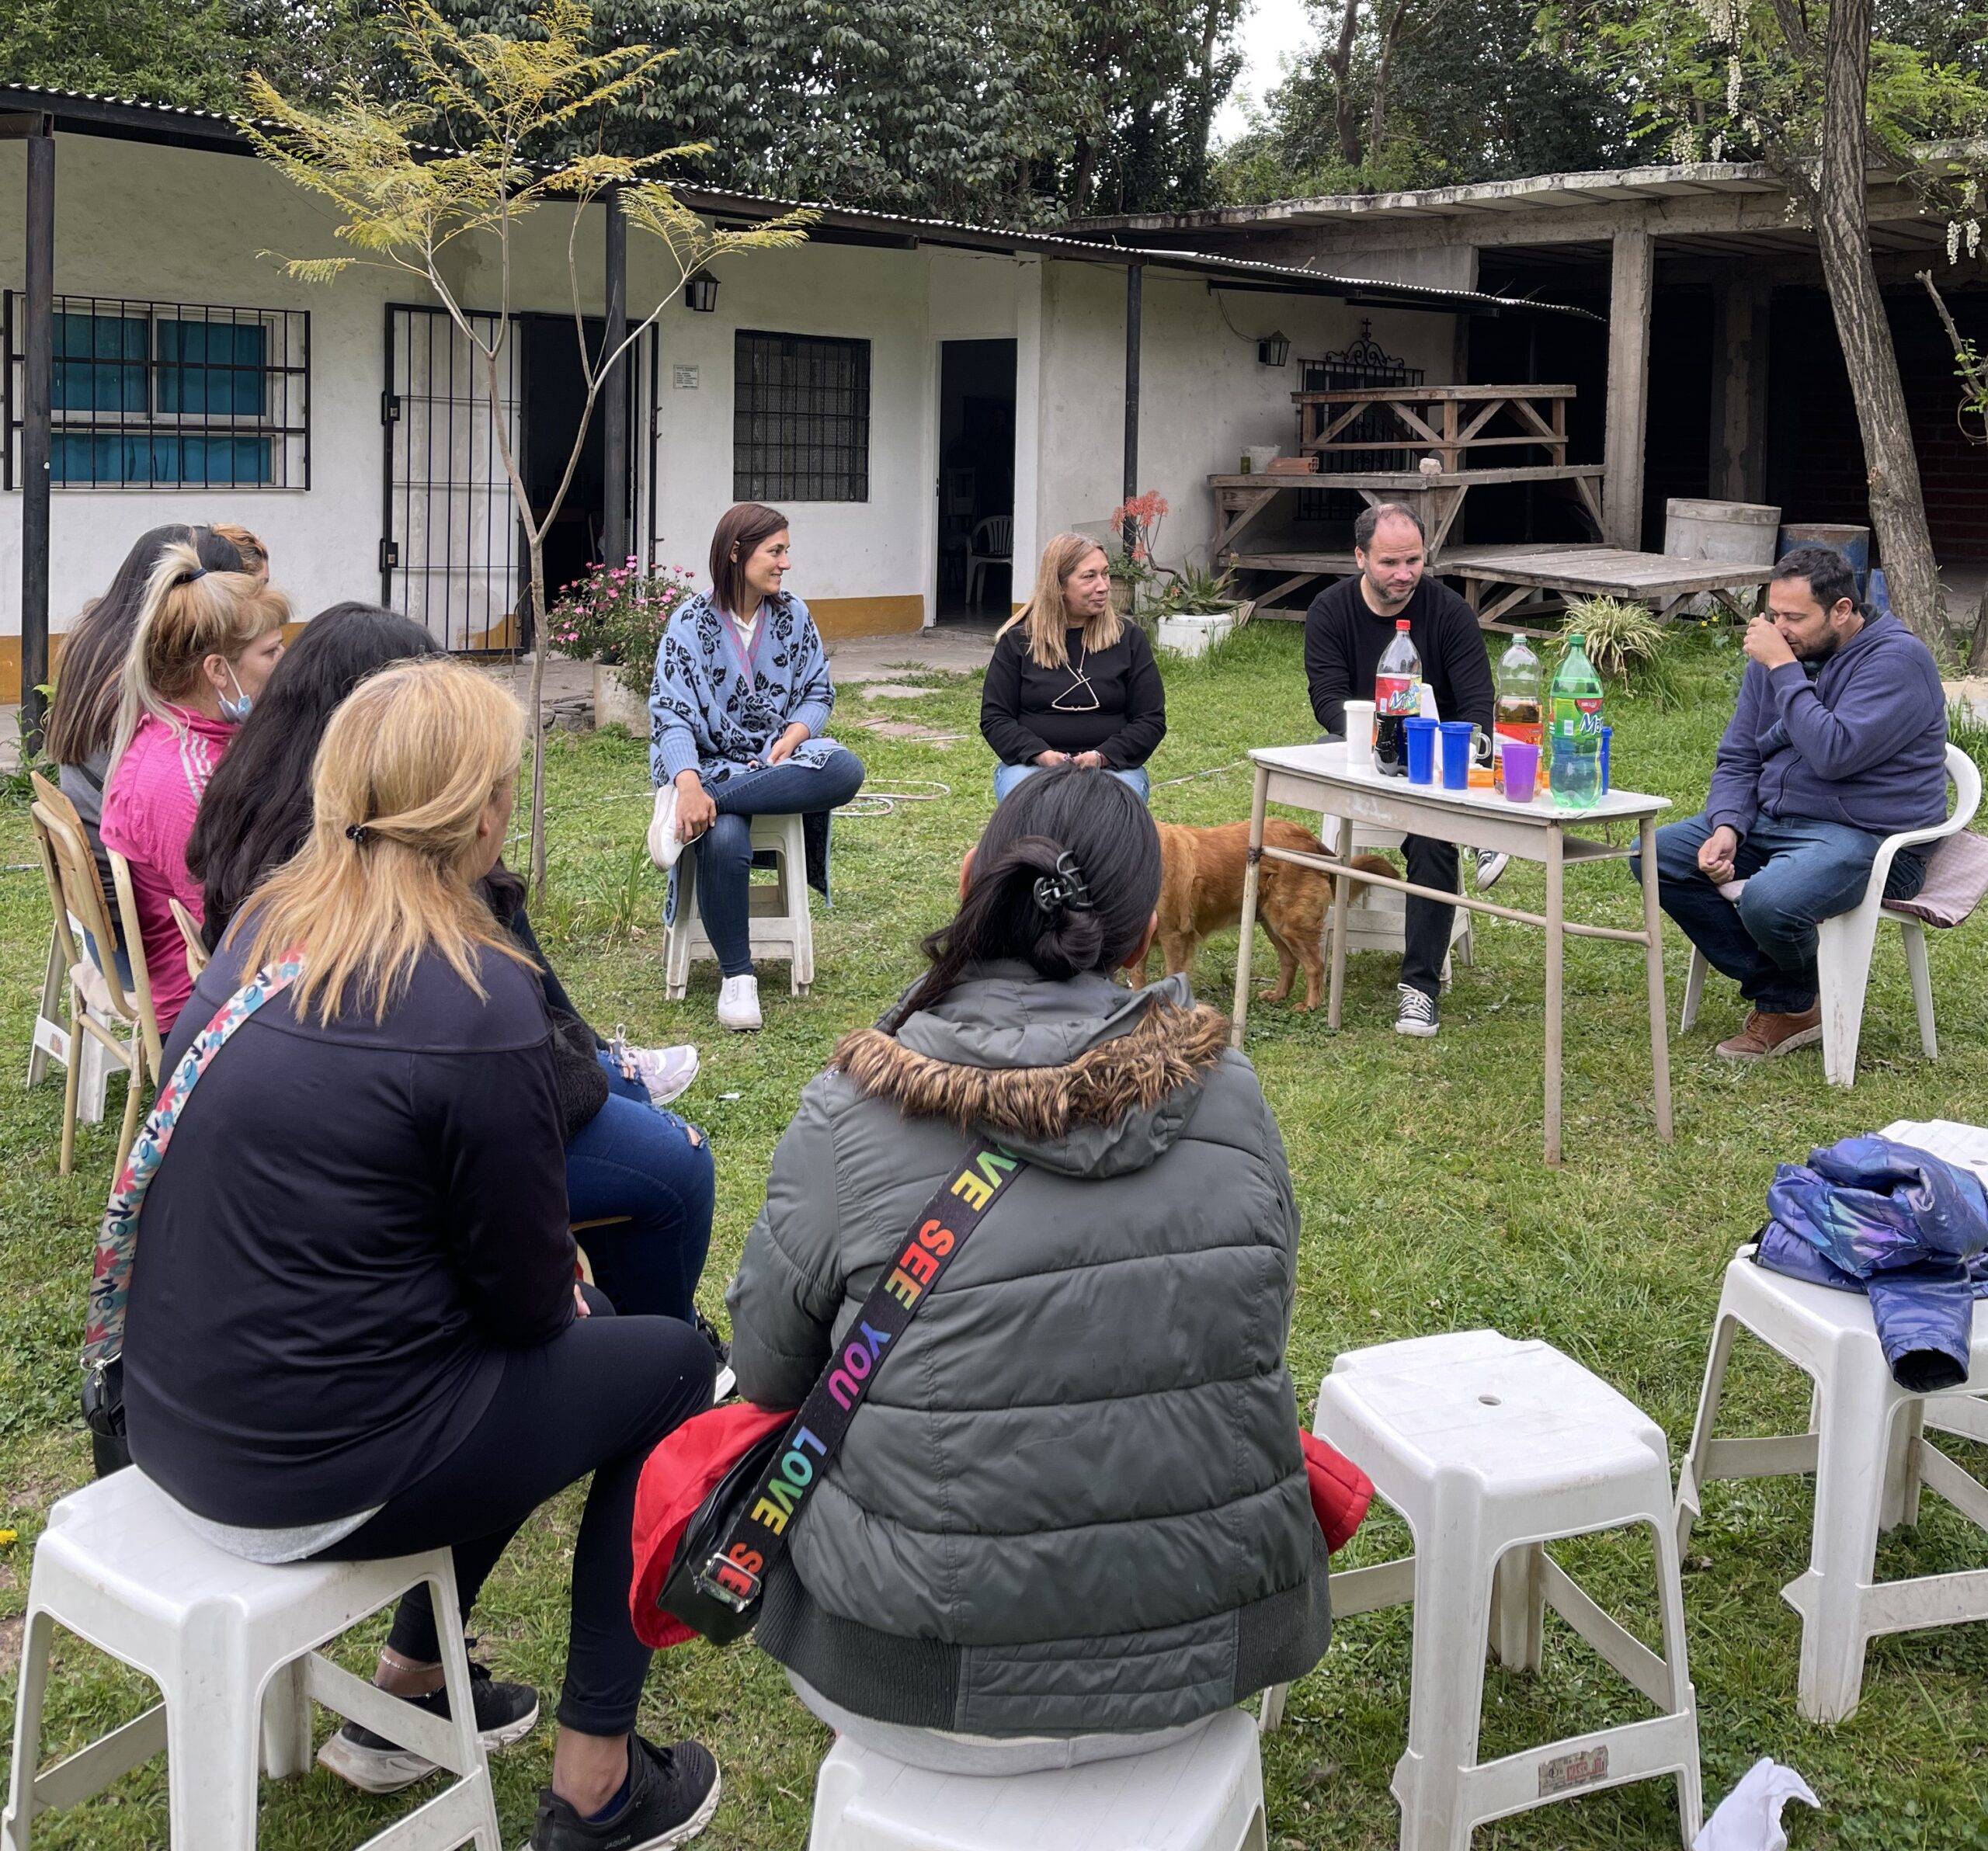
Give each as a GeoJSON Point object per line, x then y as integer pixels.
{"type": "Point", "coordinates": [1608, 733]}
{"type": "Point", "coordinates": [1456, 753]}
{"type": "Point", "coordinates": [1421, 750]}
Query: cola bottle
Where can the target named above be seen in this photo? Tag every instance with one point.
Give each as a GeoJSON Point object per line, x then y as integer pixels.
{"type": "Point", "coordinates": [1397, 697]}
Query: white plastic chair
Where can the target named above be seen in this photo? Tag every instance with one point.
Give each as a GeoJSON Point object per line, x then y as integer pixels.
{"type": "Point", "coordinates": [993, 545]}
{"type": "Point", "coordinates": [1866, 1447]}
{"type": "Point", "coordinates": [1490, 1449]}
{"type": "Point", "coordinates": [233, 1647]}
{"type": "Point", "coordinates": [779, 924]}
{"type": "Point", "coordinates": [1846, 943]}
{"type": "Point", "coordinates": [1205, 1793]}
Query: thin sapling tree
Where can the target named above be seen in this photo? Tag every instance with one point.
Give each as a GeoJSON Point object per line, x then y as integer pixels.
{"type": "Point", "coordinates": [416, 181]}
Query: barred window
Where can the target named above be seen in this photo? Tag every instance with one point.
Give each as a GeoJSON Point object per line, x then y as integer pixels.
{"type": "Point", "coordinates": [152, 394]}
{"type": "Point", "coordinates": [800, 418]}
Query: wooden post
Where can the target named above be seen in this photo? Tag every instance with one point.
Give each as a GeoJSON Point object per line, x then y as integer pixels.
{"type": "Point", "coordinates": [1556, 978]}
{"type": "Point", "coordinates": [1342, 898]}
{"type": "Point", "coordinates": [1630, 275]}
{"type": "Point", "coordinates": [1134, 284]}
{"type": "Point", "coordinates": [614, 392]}
{"type": "Point", "coordinates": [37, 395]}
{"type": "Point", "coordinates": [1739, 391]}
{"type": "Point", "coordinates": [1659, 1027]}
{"type": "Point", "coordinates": [1251, 875]}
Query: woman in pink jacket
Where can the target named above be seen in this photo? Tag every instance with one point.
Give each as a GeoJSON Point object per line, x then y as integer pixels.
{"type": "Point", "coordinates": [204, 645]}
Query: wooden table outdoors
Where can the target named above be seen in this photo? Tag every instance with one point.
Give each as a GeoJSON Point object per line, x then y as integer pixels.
{"type": "Point", "coordinates": [1319, 778]}
{"type": "Point", "coordinates": [1497, 578]}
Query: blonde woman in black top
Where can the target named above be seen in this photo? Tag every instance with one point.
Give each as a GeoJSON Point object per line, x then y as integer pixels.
{"type": "Point", "coordinates": [1071, 682]}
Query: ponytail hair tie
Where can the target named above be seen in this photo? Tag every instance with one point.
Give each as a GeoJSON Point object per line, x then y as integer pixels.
{"type": "Point", "coordinates": [1064, 890]}
{"type": "Point", "coordinates": [199, 571]}
{"type": "Point", "coordinates": [358, 832]}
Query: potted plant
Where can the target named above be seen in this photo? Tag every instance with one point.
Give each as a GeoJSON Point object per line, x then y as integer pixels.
{"type": "Point", "coordinates": [1132, 568]}
{"type": "Point", "coordinates": [615, 616]}
{"type": "Point", "coordinates": [1198, 610]}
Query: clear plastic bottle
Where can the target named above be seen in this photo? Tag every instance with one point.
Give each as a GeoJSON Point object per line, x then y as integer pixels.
{"type": "Point", "coordinates": [1520, 712]}
{"type": "Point", "coordinates": [1574, 738]}
{"type": "Point", "coordinates": [1397, 697]}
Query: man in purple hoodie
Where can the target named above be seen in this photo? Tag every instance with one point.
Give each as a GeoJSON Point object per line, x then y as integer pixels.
{"type": "Point", "coordinates": [1839, 741]}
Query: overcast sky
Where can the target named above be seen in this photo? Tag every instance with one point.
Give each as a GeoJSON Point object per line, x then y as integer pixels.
{"type": "Point", "coordinates": [1271, 31]}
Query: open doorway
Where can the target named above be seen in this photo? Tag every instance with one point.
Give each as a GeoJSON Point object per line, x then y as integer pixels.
{"type": "Point", "coordinates": [554, 396]}
{"type": "Point", "coordinates": [976, 478]}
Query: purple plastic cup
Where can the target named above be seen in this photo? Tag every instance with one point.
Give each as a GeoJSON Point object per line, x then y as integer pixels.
{"type": "Point", "coordinates": [1456, 753]}
{"type": "Point", "coordinates": [1608, 732]}
{"type": "Point", "coordinates": [1421, 750]}
{"type": "Point", "coordinates": [1521, 770]}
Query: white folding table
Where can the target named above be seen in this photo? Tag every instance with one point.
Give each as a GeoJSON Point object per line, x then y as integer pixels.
{"type": "Point", "coordinates": [1319, 778]}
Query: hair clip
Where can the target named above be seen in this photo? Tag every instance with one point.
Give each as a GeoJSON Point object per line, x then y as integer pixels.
{"type": "Point", "coordinates": [357, 832]}
{"type": "Point", "coordinates": [1063, 892]}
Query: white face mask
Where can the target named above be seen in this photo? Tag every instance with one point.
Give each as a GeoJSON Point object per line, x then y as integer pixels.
{"type": "Point", "coordinates": [238, 709]}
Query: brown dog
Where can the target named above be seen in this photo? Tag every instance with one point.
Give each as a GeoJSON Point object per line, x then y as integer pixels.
{"type": "Point", "coordinates": [1201, 891]}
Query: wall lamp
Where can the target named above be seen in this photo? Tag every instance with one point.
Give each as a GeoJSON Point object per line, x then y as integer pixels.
{"type": "Point", "coordinates": [701, 294]}
{"type": "Point", "coordinates": [1273, 350]}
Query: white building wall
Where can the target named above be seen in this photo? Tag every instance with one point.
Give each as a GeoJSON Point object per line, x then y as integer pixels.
{"type": "Point", "coordinates": [177, 225]}
{"type": "Point", "coordinates": [1203, 397]}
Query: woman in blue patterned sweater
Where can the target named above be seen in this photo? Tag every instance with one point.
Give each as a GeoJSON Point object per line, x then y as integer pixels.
{"type": "Point", "coordinates": [737, 712]}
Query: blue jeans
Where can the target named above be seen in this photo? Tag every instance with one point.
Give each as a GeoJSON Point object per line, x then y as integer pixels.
{"type": "Point", "coordinates": [631, 1160]}
{"type": "Point", "coordinates": [724, 850]}
{"type": "Point", "coordinates": [1007, 776]}
{"type": "Point", "coordinates": [1797, 870]}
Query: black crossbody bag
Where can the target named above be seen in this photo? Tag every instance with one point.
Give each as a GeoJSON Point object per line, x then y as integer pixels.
{"type": "Point", "coordinates": [719, 1570]}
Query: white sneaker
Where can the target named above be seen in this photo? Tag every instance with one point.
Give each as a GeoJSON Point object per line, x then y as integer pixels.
{"type": "Point", "coordinates": [665, 843]}
{"type": "Point", "coordinates": [665, 1072]}
{"type": "Point", "coordinates": [738, 1002]}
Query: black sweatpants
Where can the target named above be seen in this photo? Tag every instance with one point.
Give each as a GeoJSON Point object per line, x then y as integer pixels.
{"type": "Point", "coordinates": [1426, 928]}
{"type": "Point", "coordinates": [596, 1399]}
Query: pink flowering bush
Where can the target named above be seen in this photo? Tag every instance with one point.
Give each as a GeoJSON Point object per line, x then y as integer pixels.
{"type": "Point", "coordinates": [617, 615]}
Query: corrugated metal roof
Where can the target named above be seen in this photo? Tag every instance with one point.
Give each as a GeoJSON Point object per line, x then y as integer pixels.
{"type": "Point", "coordinates": [1533, 193]}
{"type": "Point", "coordinates": [134, 118]}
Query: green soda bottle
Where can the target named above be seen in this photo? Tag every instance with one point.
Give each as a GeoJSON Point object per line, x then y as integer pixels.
{"type": "Point", "coordinates": [1574, 734]}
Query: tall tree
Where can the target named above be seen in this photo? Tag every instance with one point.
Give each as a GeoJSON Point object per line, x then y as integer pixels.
{"type": "Point", "coordinates": [1436, 92]}
{"type": "Point", "coordinates": [1829, 106]}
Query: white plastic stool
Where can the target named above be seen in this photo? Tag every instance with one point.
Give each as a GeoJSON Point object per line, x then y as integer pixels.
{"type": "Point", "coordinates": [1866, 1448]}
{"type": "Point", "coordinates": [1490, 1449]}
{"type": "Point", "coordinates": [232, 1646]}
{"type": "Point", "coordinates": [1203, 1794]}
{"type": "Point", "coordinates": [778, 922]}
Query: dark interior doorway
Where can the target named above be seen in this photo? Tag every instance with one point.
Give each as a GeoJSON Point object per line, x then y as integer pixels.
{"type": "Point", "coordinates": [554, 397]}
{"type": "Point", "coordinates": [976, 478]}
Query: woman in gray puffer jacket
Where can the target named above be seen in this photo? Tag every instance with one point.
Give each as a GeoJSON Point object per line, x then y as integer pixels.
{"type": "Point", "coordinates": [1074, 1505]}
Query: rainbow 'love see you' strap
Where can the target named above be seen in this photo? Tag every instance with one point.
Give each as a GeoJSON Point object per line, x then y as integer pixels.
{"type": "Point", "coordinates": [117, 1240]}
{"type": "Point", "coordinates": [735, 1572]}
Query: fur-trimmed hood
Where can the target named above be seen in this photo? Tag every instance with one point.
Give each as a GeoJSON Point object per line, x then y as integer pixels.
{"type": "Point", "coordinates": [1080, 1077]}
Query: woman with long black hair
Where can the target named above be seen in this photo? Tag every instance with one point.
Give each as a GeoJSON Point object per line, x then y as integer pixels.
{"type": "Point", "coordinates": [1073, 1512]}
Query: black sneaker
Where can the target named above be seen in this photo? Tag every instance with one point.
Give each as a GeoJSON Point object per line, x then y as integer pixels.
{"type": "Point", "coordinates": [504, 1713]}
{"type": "Point", "coordinates": [1491, 863]}
{"type": "Point", "coordinates": [1415, 1012]}
{"type": "Point", "coordinates": [724, 1384]}
{"type": "Point", "coordinates": [675, 1796]}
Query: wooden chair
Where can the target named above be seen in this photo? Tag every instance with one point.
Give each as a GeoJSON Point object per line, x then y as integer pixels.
{"type": "Point", "coordinates": [100, 999]}
{"type": "Point", "coordinates": [189, 930]}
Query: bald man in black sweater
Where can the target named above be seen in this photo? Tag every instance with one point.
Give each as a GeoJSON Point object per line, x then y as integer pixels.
{"type": "Point", "coordinates": [1348, 626]}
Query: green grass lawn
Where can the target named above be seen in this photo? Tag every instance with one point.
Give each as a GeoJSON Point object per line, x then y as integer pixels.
{"type": "Point", "coordinates": [1425, 1206]}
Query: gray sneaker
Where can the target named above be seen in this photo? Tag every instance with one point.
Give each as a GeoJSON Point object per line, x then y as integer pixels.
{"type": "Point", "coordinates": [1415, 1012]}
{"type": "Point", "coordinates": [1491, 863]}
